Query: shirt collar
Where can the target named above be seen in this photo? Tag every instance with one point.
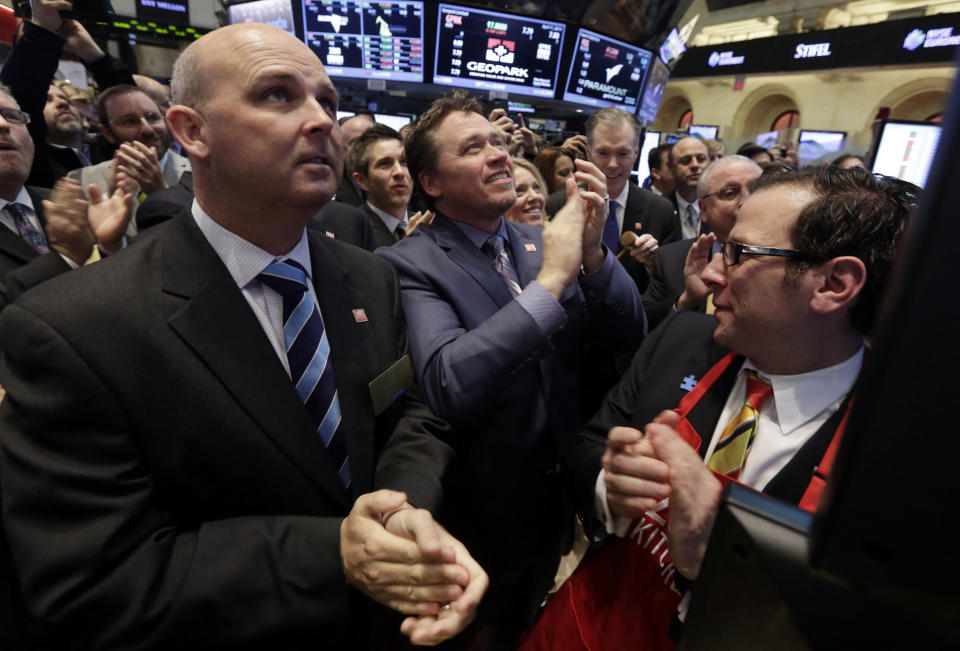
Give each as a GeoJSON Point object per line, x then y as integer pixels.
{"type": "Point", "coordinates": [388, 220]}
{"type": "Point", "coordinates": [683, 203]}
{"type": "Point", "coordinates": [621, 198]}
{"type": "Point", "coordinates": [22, 197]}
{"type": "Point", "coordinates": [801, 397]}
{"type": "Point", "coordinates": [480, 237]}
{"type": "Point", "coordinates": [163, 159]}
{"type": "Point", "coordinates": [245, 260]}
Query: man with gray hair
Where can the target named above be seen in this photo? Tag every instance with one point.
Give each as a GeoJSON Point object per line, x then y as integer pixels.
{"type": "Point", "coordinates": [675, 278]}
{"type": "Point", "coordinates": [613, 144]}
{"type": "Point", "coordinates": [212, 410]}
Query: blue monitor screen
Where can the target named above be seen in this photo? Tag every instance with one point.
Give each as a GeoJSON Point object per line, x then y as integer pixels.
{"type": "Point", "coordinates": [496, 51]}
{"type": "Point", "coordinates": [366, 40]}
{"type": "Point", "coordinates": [278, 13]}
{"type": "Point", "coordinates": [707, 132]}
{"type": "Point", "coordinates": [606, 72]}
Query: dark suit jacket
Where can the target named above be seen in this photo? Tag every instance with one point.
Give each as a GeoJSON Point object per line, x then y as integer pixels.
{"type": "Point", "coordinates": [28, 73]}
{"type": "Point", "coordinates": [683, 346]}
{"type": "Point", "coordinates": [672, 196]}
{"type": "Point", "coordinates": [20, 266]}
{"type": "Point", "coordinates": [381, 235]}
{"type": "Point", "coordinates": [666, 281]}
{"type": "Point", "coordinates": [509, 391]}
{"type": "Point", "coordinates": [349, 193]}
{"type": "Point", "coordinates": [336, 220]}
{"type": "Point", "coordinates": [653, 213]}
{"type": "Point", "coordinates": [191, 502]}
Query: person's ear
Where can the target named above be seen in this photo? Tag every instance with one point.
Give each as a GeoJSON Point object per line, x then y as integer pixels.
{"type": "Point", "coordinates": [430, 184]}
{"type": "Point", "coordinates": [189, 128]}
{"type": "Point", "coordinates": [840, 282]}
{"type": "Point", "coordinates": [361, 181]}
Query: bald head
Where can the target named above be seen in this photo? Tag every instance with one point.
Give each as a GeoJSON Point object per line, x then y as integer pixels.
{"type": "Point", "coordinates": [207, 57]}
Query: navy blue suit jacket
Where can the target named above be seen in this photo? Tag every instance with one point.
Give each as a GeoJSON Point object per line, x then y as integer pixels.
{"type": "Point", "coordinates": [509, 390]}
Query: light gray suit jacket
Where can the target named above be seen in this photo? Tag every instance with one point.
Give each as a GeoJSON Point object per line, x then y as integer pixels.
{"type": "Point", "coordinates": [101, 175]}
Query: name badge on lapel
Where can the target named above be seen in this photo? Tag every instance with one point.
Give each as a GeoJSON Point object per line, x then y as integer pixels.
{"type": "Point", "coordinates": [391, 384]}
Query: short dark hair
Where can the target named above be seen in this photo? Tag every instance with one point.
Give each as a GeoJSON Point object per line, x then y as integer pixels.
{"type": "Point", "coordinates": [110, 93]}
{"type": "Point", "coordinates": [613, 117]}
{"type": "Point", "coordinates": [853, 213]}
{"type": "Point", "coordinates": [750, 150]}
{"type": "Point", "coordinates": [421, 140]}
{"type": "Point", "coordinates": [358, 155]}
{"type": "Point", "coordinates": [655, 156]}
{"type": "Point", "coordinates": [836, 162]}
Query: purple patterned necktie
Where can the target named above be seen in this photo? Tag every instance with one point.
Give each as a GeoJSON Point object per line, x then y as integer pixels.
{"type": "Point", "coordinates": [27, 231]}
{"type": "Point", "coordinates": [501, 262]}
{"type": "Point", "coordinates": [308, 352]}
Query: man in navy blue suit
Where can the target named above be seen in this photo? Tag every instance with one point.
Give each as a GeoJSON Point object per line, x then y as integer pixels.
{"type": "Point", "coordinates": [498, 316]}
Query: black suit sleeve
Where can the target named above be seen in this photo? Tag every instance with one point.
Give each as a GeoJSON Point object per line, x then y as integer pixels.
{"type": "Point", "coordinates": [101, 557]}
{"type": "Point", "coordinates": [18, 280]}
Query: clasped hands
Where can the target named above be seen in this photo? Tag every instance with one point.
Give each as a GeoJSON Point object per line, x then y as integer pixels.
{"type": "Point", "coordinates": [401, 557]}
{"type": "Point", "coordinates": [641, 469]}
{"type": "Point", "coordinates": [572, 237]}
{"type": "Point", "coordinates": [74, 224]}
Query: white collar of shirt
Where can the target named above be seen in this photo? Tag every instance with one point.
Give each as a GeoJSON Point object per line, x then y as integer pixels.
{"type": "Point", "coordinates": [388, 220]}
{"type": "Point", "coordinates": [23, 197]}
{"type": "Point", "coordinates": [621, 200]}
{"type": "Point", "coordinates": [682, 206]}
{"type": "Point", "coordinates": [245, 260]}
{"type": "Point", "coordinates": [801, 397]}
{"type": "Point", "coordinates": [163, 159]}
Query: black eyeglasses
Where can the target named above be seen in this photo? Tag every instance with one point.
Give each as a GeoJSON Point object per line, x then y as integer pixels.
{"type": "Point", "coordinates": [733, 250]}
{"type": "Point", "coordinates": [13, 116]}
{"type": "Point", "coordinates": [726, 193]}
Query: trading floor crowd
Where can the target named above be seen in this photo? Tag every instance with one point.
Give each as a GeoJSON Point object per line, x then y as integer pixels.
{"type": "Point", "coordinates": [274, 382]}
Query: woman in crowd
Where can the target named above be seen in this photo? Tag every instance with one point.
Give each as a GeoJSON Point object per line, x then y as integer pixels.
{"type": "Point", "coordinates": [529, 208]}
{"type": "Point", "coordinates": [555, 165]}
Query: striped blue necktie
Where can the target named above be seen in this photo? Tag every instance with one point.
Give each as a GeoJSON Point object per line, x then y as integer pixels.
{"type": "Point", "coordinates": [308, 352]}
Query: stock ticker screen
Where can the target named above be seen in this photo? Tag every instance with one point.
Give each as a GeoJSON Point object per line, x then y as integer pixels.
{"type": "Point", "coordinates": [498, 52]}
{"type": "Point", "coordinates": [606, 72]}
{"type": "Point", "coordinates": [366, 40]}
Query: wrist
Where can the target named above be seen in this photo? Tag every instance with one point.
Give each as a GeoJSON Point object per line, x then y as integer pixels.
{"type": "Point", "coordinates": [553, 283]}
{"type": "Point", "coordinates": [593, 259]}
{"type": "Point", "coordinates": [687, 303]}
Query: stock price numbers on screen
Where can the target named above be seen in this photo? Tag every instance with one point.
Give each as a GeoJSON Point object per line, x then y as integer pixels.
{"type": "Point", "coordinates": [494, 51]}
{"type": "Point", "coordinates": [366, 40]}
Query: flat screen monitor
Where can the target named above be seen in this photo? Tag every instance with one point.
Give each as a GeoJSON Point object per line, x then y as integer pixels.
{"type": "Point", "coordinates": [344, 114]}
{"type": "Point", "coordinates": [906, 149]}
{"type": "Point", "coordinates": [170, 12]}
{"type": "Point", "coordinates": [819, 144]}
{"type": "Point", "coordinates": [395, 122]}
{"type": "Point", "coordinates": [653, 93]}
{"type": "Point", "coordinates": [705, 131]}
{"type": "Point", "coordinates": [672, 48]}
{"type": "Point", "coordinates": [768, 139]}
{"type": "Point", "coordinates": [361, 39]}
{"type": "Point", "coordinates": [495, 51]}
{"type": "Point", "coordinates": [606, 72]}
{"type": "Point", "coordinates": [520, 107]}
{"type": "Point", "coordinates": [278, 13]}
{"type": "Point", "coordinates": [651, 139]}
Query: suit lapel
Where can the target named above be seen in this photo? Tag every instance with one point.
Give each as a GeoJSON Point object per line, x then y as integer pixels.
{"type": "Point", "coordinates": [351, 344]}
{"type": "Point", "coordinates": [14, 245]}
{"type": "Point", "coordinates": [216, 322]}
{"type": "Point", "coordinates": [471, 259]}
{"type": "Point", "coordinates": [527, 256]}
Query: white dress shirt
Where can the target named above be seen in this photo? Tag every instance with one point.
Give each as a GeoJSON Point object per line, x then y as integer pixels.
{"type": "Point", "coordinates": [245, 261]}
{"type": "Point", "coordinates": [799, 406]}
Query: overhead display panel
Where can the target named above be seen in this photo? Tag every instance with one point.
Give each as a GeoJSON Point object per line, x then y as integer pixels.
{"type": "Point", "coordinates": [606, 72]}
{"type": "Point", "coordinates": [653, 93]}
{"type": "Point", "coordinates": [366, 40]}
{"type": "Point", "coordinates": [278, 13]}
{"type": "Point", "coordinates": [496, 51]}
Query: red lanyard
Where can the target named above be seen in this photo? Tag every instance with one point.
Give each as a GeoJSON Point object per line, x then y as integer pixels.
{"type": "Point", "coordinates": [814, 489]}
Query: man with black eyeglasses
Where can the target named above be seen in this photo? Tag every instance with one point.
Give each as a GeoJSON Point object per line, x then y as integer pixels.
{"type": "Point", "coordinates": [675, 276]}
{"type": "Point", "coordinates": [758, 391]}
{"type": "Point", "coordinates": [130, 119]}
